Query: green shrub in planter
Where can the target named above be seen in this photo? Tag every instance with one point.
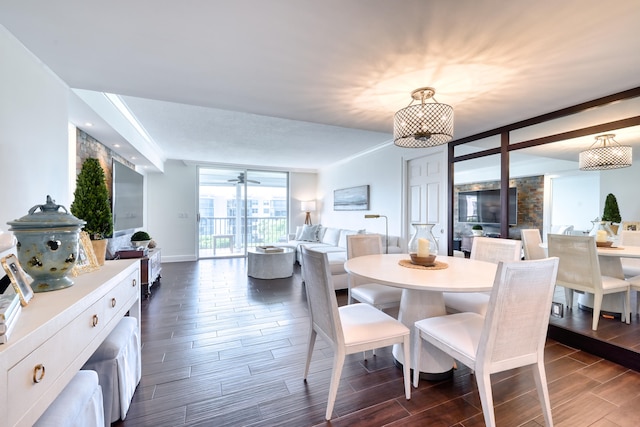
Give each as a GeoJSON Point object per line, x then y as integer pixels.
{"type": "Point", "coordinates": [140, 236]}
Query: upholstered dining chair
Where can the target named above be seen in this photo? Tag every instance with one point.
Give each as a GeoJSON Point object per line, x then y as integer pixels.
{"type": "Point", "coordinates": [631, 266]}
{"type": "Point", "coordinates": [375, 294]}
{"type": "Point", "coordinates": [348, 329]}
{"type": "Point", "coordinates": [484, 249]}
{"type": "Point", "coordinates": [512, 334]}
{"type": "Point", "coordinates": [580, 271]}
{"type": "Point", "coordinates": [531, 240]}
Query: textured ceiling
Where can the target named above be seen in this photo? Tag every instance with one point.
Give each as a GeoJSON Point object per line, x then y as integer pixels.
{"type": "Point", "coordinates": [302, 84]}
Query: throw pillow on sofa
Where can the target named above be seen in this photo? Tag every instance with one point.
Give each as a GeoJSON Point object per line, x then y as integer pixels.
{"type": "Point", "coordinates": [310, 233]}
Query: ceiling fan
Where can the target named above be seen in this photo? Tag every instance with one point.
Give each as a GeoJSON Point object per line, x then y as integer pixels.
{"type": "Point", "coordinates": [241, 180]}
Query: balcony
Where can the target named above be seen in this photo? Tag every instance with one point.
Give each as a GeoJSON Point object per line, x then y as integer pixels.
{"type": "Point", "coordinates": [219, 236]}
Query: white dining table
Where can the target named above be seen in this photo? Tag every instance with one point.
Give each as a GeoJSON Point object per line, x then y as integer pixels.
{"type": "Point", "coordinates": [422, 296]}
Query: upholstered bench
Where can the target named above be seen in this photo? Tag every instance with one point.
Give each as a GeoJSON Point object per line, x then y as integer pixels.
{"type": "Point", "coordinates": [79, 404]}
{"type": "Point", "coordinates": [119, 366]}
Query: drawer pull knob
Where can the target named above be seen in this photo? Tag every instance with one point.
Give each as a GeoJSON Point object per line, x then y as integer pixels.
{"type": "Point", "coordinates": [134, 282]}
{"type": "Point", "coordinates": [95, 320]}
{"type": "Point", "coordinates": [38, 373]}
{"type": "Point", "coordinates": [113, 302]}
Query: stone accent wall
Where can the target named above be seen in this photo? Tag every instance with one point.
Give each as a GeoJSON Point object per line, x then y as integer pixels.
{"type": "Point", "coordinates": [530, 205]}
{"type": "Point", "coordinates": [89, 147]}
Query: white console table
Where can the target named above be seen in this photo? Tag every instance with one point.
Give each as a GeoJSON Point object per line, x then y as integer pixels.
{"type": "Point", "coordinates": [56, 334]}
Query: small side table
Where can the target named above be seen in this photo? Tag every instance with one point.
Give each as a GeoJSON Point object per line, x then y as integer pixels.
{"type": "Point", "coordinates": [150, 268]}
{"type": "Point", "coordinates": [270, 265]}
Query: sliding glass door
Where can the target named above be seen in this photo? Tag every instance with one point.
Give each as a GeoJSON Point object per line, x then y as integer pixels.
{"type": "Point", "coordinates": [240, 209]}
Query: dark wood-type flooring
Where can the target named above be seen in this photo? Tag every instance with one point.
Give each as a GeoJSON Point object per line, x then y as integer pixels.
{"type": "Point", "coordinates": [221, 349]}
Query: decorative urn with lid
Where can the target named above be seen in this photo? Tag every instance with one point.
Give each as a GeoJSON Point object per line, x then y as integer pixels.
{"type": "Point", "coordinates": [47, 245]}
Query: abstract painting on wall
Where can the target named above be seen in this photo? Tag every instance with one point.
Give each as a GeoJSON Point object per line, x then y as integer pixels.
{"type": "Point", "coordinates": [351, 199]}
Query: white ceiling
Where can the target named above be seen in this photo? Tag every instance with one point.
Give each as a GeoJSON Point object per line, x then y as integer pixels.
{"type": "Point", "coordinates": [301, 84]}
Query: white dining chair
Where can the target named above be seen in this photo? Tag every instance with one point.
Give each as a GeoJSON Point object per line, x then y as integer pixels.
{"type": "Point", "coordinates": [348, 329]}
{"type": "Point", "coordinates": [580, 271]}
{"type": "Point", "coordinates": [531, 241]}
{"type": "Point", "coordinates": [631, 266]}
{"type": "Point", "coordinates": [375, 294]}
{"type": "Point", "coordinates": [488, 249]}
{"type": "Point", "coordinates": [511, 335]}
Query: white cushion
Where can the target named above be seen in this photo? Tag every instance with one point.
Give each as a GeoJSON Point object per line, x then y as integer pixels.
{"type": "Point", "coordinates": [331, 236]}
{"type": "Point", "coordinates": [78, 405]}
{"type": "Point", "coordinates": [336, 262]}
{"type": "Point", "coordinates": [363, 323]}
{"type": "Point", "coordinates": [298, 232]}
{"type": "Point", "coordinates": [461, 302]}
{"type": "Point", "coordinates": [447, 329]}
{"type": "Point", "coordinates": [376, 294]}
{"type": "Point", "coordinates": [342, 242]}
{"type": "Point", "coordinates": [310, 233]}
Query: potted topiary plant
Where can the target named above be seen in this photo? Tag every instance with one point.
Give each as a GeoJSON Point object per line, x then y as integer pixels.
{"type": "Point", "coordinates": [611, 213]}
{"type": "Point", "coordinates": [140, 239]}
{"type": "Point", "coordinates": [91, 203]}
{"type": "Point", "coordinates": [477, 230]}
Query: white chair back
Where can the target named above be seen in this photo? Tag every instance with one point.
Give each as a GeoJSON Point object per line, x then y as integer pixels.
{"type": "Point", "coordinates": [531, 241]}
{"type": "Point", "coordinates": [630, 266]}
{"type": "Point", "coordinates": [495, 250]}
{"type": "Point", "coordinates": [579, 267]}
{"type": "Point", "coordinates": [363, 244]}
{"type": "Point", "coordinates": [516, 322]}
{"type": "Point", "coordinates": [321, 297]}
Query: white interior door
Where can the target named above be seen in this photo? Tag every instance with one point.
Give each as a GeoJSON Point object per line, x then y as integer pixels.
{"type": "Point", "coordinates": [426, 184]}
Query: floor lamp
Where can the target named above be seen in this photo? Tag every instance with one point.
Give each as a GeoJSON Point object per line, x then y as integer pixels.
{"type": "Point", "coordinates": [386, 229]}
{"type": "Point", "coordinates": [308, 207]}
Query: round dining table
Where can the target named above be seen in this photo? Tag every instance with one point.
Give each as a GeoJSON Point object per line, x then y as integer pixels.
{"type": "Point", "coordinates": [422, 295]}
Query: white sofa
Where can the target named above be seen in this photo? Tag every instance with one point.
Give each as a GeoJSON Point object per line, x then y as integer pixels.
{"type": "Point", "coordinates": [332, 241]}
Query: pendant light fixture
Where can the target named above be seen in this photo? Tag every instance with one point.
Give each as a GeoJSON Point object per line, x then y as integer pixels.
{"type": "Point", "coordinates": [426, 124]}
{"type": "Point", "coordinates": [605, 153]}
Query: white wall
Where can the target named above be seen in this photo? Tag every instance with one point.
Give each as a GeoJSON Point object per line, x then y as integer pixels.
{"type": "Point", "coordinates": [35, 156]}
{"type": "Point", "coordinates": [383, 171]}
{"type": "Point", "coordinates": [172, 199]}
{"type": "Point", "coordinates": [302, 187]}
{"type": "Point", "coordinates": [622, 183]}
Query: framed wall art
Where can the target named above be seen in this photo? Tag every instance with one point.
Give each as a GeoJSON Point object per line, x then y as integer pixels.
{"type": "Point", "coordinates": [18, 278]}
{"type": "Point", "coordinates": [351, 199]}
{"type": "Point", "coordinates": [87, 260]}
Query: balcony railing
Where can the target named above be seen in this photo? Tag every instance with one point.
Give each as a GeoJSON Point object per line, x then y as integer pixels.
{"type": "Point", "coordinates": [220, 237]}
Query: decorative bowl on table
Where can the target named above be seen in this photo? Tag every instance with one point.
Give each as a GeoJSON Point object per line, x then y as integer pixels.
{"type": "Point", "coordinates": [140, 243]}
{"type": "Point", "coordinates": [606, 244]}
{"type": "Point", "coordinates": [426, 261]}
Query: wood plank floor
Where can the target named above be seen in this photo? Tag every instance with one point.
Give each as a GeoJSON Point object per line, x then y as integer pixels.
{"type": "Point", "coordinates": [221, 349]}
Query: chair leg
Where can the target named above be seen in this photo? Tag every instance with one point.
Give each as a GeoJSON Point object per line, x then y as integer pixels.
{"type": "Point", "coordinates": [627, 306]}
{"type": "Point", "coordinates": [417, 349]}
{"type": "Point", "coordinates": [312, 340]}
{"type": "Point", "coordinates": [336, 372]}
{"type": "Point", "coordinates": [406, 366]}
{"type": "Point", "coordinates": [486, 397]}
{"type": "Point", "coordinates": [597, 306]}
{"type": "Point", "coordinates": [540, 378]}
{"type": "Point", "coordinates": [568, 297]}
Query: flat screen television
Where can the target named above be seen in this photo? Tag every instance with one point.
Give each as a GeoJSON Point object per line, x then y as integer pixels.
{"type": "Point", "coordinates": [128, 192]}
{"type": "Point", "coordinates": [483, 206]}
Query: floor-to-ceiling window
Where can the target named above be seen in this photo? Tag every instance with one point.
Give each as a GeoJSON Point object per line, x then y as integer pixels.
{"type": "Point", "coordinates": [240, 209]}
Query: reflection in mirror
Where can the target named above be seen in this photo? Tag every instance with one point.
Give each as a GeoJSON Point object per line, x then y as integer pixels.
{"type": "Point", "coordinates": [477, 146]}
